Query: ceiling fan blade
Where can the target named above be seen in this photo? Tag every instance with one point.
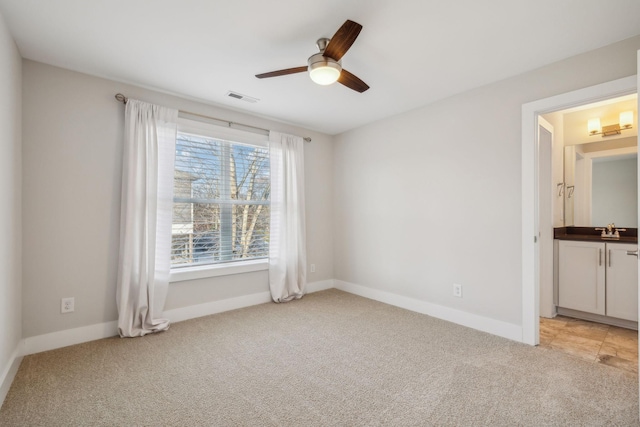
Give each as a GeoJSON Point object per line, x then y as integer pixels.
{"type": "Point", "coordinates": [282, 72]}
{"type": "Point", "coordinates": [352, 82]}
{"type": "Point", "coordinates": [342, 40]}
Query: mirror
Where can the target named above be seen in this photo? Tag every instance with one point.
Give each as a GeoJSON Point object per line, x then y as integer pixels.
{"type": "Point", "coordinates": [601, 184]}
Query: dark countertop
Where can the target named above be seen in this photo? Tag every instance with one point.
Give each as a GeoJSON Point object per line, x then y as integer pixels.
{"type": "Point", "coordinates": [590, 234]}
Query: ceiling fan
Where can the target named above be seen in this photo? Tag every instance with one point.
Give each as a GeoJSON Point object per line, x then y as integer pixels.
{"type": "Point", "coordinates": [325, 67]}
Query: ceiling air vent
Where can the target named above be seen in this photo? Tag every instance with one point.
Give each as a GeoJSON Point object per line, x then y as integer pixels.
{"type": "Point", "coordinates": [246, 98]}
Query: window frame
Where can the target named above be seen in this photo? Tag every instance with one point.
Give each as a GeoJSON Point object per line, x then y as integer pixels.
{"type": "Point", "coordinates": [212, 130]}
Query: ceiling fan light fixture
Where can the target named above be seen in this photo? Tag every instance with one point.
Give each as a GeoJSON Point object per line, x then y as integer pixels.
{"type": "Point", "coordinates": [324, 70]}
{"type": "Point", "coordinates": [325, 75]}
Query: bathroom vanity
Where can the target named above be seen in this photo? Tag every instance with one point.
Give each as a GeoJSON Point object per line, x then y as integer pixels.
{"type": "Point", "coordinates": [594, 278]}
{"type": "Point", "coordinates": [597, 277]}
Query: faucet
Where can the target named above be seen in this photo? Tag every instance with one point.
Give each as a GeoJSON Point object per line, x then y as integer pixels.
{"type": "Point", "coordinates": [609, 231]}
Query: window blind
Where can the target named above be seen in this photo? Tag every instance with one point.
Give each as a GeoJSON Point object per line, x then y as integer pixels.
{"type": "Point", "coordinates": [221, 201]}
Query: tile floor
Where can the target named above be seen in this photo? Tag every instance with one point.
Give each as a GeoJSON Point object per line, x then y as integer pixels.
{"type": "Point", "coordinates": [611, 345]}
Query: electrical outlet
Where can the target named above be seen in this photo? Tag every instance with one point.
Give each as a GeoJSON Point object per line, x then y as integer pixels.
{"type": "Point", "coordinates": [67, 305]}
{"type": "Point", "coordinates": [457, 290]}
{"type": "Point", "coordinates": [313, 268]}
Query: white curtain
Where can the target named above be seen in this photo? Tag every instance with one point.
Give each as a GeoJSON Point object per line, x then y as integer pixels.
{"type": "Point", "coordinates": [287, 242]}
{"type": "Point", "coordinates": [145, 220]}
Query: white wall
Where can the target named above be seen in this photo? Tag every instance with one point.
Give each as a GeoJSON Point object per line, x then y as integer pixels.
{"type": "Point", "coordinates": [73, 130]}
{"type": "Point", "coordinates": [10, 206]}
{"type": "Point", "coordinates": [432, 197]}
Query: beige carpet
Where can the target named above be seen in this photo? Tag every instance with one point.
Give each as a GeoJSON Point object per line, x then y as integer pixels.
{"type": "Point", "coordinates": [330, 359]}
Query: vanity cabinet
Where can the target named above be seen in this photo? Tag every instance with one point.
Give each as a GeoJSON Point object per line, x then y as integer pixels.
{"type": "Point", "coordinates": [581, 276]}
{"type": "Point", "coordinates": [621, 282]}
{"type": "Point", "coordinates": [598, 278]}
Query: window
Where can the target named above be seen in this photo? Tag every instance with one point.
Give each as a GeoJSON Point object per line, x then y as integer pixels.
{"type": "Point", "coordinates": [221, 201]}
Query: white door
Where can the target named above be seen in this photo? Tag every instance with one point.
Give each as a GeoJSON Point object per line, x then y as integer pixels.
{"type": "Point", "coordinates": [545, 211]}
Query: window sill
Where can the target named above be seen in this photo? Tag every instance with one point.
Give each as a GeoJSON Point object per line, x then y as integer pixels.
{"type": "Point", "coordinates": [205, 271]}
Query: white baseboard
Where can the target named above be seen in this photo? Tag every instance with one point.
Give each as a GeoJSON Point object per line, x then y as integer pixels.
{"type": "Point", "coordinates": [98, 331]}
{"type": "Point", "coordinates": [214, 307]}
{"type": "Point", "coordinates": [69, 337]}
{"type": "Point", "coordinates": [322, 285]}
{"type": "Point", "coordinates": [9, 372]}
{"type": "Point", "coordinates": [481, 323]}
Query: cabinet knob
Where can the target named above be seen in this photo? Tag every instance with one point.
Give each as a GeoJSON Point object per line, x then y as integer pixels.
{"type": "Point", "coordinates": [635, 253]}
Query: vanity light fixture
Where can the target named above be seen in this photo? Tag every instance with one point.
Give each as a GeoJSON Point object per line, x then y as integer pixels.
{"type": "Point", "coordinates": [625, 122]}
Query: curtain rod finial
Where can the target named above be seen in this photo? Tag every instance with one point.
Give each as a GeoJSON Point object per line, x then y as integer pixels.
{"type": "Point", "coordinates": [120, 97]}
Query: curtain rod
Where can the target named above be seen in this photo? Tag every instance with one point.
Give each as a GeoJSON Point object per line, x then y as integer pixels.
{"type": "Point", "coordinates": [120, 97]}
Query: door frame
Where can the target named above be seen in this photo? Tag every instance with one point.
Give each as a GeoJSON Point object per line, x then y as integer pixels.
{"type": "Point", "coordinates": [530, 171]}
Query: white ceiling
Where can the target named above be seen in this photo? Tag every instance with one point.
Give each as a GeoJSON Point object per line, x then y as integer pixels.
{"type": "Point", "coordinates": [411, 52]}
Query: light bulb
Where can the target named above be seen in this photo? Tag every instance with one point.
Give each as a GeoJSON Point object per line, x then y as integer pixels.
{"type": "Point", "coordinates": [593, 125]}
{"type": "Point", "coordinates": [626, 119]}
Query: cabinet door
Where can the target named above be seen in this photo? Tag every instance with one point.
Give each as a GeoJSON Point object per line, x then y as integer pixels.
{"type": "Point", "coordinates": [581, 276]}
{"type": "Point", "coordinates": [622, 281]}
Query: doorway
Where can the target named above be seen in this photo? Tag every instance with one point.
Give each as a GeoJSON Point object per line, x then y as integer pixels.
{"type": "Point", "coordinates": [593, 181]}
{"type": "Point", "coordinates": [585, 180]}
{"type": "Point", "coordinates": [531, 219]}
